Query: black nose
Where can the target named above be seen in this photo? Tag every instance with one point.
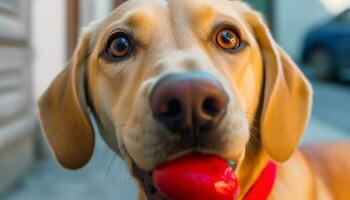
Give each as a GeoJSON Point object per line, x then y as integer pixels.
{"type": "Point", "coordinates": [188, 103]}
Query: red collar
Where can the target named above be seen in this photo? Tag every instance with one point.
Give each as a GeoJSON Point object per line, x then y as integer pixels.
{"type": "Point", "coordinates": [263, 185]}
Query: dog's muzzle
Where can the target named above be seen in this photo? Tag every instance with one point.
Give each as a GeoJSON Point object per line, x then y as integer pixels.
{"type": "Point", "coordinates": [189, 103]}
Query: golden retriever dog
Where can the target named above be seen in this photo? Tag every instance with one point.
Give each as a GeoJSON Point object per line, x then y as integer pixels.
{"type": "Point", "coordinates": [167, 78]}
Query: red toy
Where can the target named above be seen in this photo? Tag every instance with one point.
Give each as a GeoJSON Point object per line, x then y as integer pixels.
{"type": "Point", "coordinates": [196, 177]}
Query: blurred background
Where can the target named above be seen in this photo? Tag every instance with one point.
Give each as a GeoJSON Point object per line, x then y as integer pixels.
{"type": "Point", "coordinates": [38, 36]}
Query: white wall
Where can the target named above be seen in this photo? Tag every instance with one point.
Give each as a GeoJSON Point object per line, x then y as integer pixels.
{"type": "Point", "coordinates": [103, 8]}
{"type": "Point", "coordinates": [49, 35]}
{"type": "Point", "coordinates": [92, 10]}
{"type": "Point", "coordinates": [48, 41]}
{"type": "Point", "coordinates": [336, 6]}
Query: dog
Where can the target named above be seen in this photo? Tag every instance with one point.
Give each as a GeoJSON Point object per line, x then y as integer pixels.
{"type": "Point", "coordinates": [164, 79]}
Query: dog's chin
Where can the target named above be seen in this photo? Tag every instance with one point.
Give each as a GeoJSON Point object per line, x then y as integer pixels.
{"type": "Point", "coordinates": [146, 180]}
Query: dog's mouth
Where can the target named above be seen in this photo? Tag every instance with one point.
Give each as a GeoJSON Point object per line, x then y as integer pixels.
{"type": "Point", "coordinates": [146, 179]}
{"type": "Point", "coordinates": [147, 183]}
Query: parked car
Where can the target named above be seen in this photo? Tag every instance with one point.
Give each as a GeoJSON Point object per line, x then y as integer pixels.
{"type": "Point", "coordinates": [327, 48]}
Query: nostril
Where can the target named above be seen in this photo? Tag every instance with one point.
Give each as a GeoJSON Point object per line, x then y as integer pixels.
{"type": "Point", "coordinates": [173, 109]}
{"type": "Point", "coordinates": [188, 103]}
{"type": "Point", "coordinates": [210, 106]}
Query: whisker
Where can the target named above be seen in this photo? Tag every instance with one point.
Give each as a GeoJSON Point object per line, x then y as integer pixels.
{"type": "Point", "coordinates": [254, 136]}
{"type": "Point", "coordinates": [119, 126]}
{"type": "Point", "coordinates": [110, 166]}
{"type": "Point", "coordinates": [250, 114]}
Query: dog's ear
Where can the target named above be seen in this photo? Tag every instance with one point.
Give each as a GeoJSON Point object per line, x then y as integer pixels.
{"type": "Point", "coordinates": [63, 112]}
{"type": "Point", "coordinates": [287, 95]}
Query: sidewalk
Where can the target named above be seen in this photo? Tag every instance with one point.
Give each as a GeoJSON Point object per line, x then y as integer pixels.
{"type": "Point", "coordinates": [321, 131]}
{"type": "Point", "coordinates": [107, 177]}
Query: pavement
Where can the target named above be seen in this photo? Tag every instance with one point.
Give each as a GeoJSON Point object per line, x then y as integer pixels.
{"type": "Point", "coordinates": [106, 176]}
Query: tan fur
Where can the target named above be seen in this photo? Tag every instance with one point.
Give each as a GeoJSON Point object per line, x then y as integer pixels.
{"type": "Point", "coordinates": [64, 103]}
{"type": "Point", "coordinates": [269, 98]}
{"type": "Point", "coordinates": [331, 163]}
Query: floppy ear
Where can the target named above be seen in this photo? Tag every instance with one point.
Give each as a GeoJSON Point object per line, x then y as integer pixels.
{"type": "Point", "coordinates": [287, 96]}
{"type": "Point", "coordinates": [63, 112]}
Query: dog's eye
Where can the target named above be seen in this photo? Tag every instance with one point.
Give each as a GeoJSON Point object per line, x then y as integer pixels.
{"type": "Point", "coordinates": [228, 39]}
{"type": "Point", "coordinates": [119, 46]}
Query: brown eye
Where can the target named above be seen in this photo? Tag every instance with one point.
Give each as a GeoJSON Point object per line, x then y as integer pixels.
{"type": "Point", "coordinates": [119, 47]}
{"type": "Point", "coordinates": [228, 39]}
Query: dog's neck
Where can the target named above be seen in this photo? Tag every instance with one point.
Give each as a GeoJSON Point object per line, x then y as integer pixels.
{"type": "Point", "coordinates": [251, 169]}
{"type": "Point", "coordinates": [262, 188]}
{"type": "Point", "coordinates": [256, 159]}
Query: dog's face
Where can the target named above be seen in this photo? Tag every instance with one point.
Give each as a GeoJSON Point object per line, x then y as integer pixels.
{"type": "Point", "coordinates": [179, 38]}
{"type": "Point", "coordinates": [168, 78]}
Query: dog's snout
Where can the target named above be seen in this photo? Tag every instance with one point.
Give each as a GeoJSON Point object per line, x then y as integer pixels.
{"type": "Point", "coordinates": [188, 103]}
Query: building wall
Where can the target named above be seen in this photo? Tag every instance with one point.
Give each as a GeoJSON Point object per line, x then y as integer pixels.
{"type": "Point", "coordinates": [16, 105]}
{"type": "Point", "coordinates": [92, 10]}
{"type": "Point", "coordinates": [48, 41]}
{"type": "Point", "coordinates": [49, 36]}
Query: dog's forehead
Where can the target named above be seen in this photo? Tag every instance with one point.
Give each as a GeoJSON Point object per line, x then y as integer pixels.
{"type": "Point", "coordinates": [168, 18]}
{"type": "Point", "coordinates": [197, 7]}
{"type": "Point", "coordinates": [191, 9]}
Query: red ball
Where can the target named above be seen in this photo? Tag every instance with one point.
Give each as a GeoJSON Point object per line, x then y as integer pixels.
{"type": "Point", "coordinates": [196, 177]}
